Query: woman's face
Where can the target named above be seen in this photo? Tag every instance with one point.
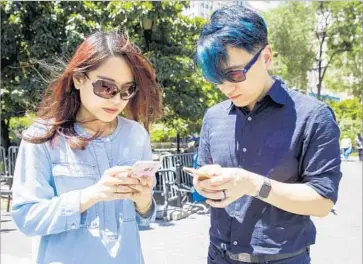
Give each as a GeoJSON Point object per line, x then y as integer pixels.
{"type": "Point", "coordinates": [101, 90]}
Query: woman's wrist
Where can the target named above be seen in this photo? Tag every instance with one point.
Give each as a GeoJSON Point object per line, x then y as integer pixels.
{"type": "Point", "coordinates": [88, 198]}
{"type": "Point", "coordinates": [144, 208]}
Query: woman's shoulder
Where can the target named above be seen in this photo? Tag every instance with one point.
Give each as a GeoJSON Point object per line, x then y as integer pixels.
{"type": "Point", "coordinates": [38, 128]}
{"type": "Point", "coordinates": [132, 126]}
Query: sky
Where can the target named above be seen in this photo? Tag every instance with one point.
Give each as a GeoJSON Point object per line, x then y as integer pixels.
{"type": "Point", "coordinates": [263, 5]}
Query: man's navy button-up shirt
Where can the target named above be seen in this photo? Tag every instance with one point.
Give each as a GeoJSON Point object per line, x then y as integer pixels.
{"type": "Point", "coordinates": [288, 137]}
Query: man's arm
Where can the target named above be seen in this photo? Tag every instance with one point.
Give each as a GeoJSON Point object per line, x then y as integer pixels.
{"type": "Point", "coordinates": [318, 189]}
{"type": "Point", "coordinates": [297, 198]}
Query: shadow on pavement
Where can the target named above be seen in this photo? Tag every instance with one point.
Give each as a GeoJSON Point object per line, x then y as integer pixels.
{"type": "Point", "coordinates": [7, 230]}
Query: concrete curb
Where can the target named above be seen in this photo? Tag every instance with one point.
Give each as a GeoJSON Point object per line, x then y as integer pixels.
{"type": "Point", "coordinates": [176, 213]}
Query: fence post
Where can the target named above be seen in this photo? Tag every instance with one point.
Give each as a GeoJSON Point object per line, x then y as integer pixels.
{"type": "Point", "coordinates": [178, 179]}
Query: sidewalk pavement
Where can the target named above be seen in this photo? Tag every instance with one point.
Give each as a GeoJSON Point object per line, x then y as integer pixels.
{"type": "Point", "coordinates": [339, 238]}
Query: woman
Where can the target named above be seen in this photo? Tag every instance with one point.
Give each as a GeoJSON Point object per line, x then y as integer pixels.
{"type": "Point", "coordinates": [71, 187]}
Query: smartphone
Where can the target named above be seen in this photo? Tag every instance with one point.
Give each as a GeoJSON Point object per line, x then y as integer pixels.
{"type": "Point", "coordinates": [201, 174]}
{"type": "Point", "coordinates": [145, 168]}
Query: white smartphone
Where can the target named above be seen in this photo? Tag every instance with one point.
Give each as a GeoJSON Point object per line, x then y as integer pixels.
{"type": "Point", "coordinates": [145, 168]}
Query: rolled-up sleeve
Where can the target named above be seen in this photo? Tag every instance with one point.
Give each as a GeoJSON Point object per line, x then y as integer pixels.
{"type": "Point", "coordinates": [149, 217]}
{"type": "Point", "coordinates": [36, 209]}
{"type": "Point", "coordinates": [204, 154]}
{"type": "Point", "coordinates": [321, 154]}
{"type": "Point", "coordinates": [145, 220]}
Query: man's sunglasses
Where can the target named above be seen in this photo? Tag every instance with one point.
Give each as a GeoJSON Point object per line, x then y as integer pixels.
{"type": "Point", "coordinates": [236, 76]}
{"type": "Point", "coordinates": [108, 89]}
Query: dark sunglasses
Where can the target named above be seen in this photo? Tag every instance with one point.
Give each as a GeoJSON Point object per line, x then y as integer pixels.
{"type": "Point", "coordinates": [236, 76]}
{"type": "Point", "coordinates": [108, 89]}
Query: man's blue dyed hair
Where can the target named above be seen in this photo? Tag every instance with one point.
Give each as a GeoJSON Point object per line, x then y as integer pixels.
{"type": "Point", "coordinates": [236, 26]}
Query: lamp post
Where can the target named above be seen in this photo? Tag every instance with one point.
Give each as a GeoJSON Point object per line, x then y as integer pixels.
{"type": "Point", "coordinates": [147, 25]}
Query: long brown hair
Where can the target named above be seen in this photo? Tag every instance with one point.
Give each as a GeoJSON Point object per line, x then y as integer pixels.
{"type": "Point", "coordinates": [61, 100]}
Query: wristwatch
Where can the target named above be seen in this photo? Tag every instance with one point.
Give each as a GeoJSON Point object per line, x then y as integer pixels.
{"type": "Point", "coordinates": [265, 189]}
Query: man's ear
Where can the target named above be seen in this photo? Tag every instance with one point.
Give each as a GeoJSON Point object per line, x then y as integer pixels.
{"type": "Point", "coordinates": [267, 54]}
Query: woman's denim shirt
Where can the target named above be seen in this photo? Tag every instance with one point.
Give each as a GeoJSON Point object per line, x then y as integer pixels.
{"type": "Point", "coordinates": [46, 201]}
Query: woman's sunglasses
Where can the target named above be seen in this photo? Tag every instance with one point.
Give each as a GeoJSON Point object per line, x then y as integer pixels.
{"type": "Point", "coordinates": [236, 76]}
{"type": "Point", "coordinates": [108, 89]}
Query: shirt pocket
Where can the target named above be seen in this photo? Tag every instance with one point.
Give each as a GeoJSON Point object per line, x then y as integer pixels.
{"type": "Point", "coordinates": [73, 176]}
{"type": "Point", "coordinates": [77, 176]}
{"type": "Point", "coordinates": [127, 161]}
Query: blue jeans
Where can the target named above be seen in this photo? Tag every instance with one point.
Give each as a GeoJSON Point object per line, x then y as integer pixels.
{"type": "Point", "coordinates": [218, 256]}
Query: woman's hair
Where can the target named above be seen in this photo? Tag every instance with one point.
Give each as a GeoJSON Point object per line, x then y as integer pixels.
{"type": "Point", "coordinates": [236, 26]}
{"type": "Point", "coordinates": [61, 100]}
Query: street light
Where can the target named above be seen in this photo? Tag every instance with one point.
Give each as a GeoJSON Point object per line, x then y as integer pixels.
{"type": "Point", "coordinates": [147, 25]}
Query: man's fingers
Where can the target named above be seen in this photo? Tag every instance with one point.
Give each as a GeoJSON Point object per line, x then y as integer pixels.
{"type": "Point", "coordinates": [220, 183]}
{"type": "Point", "coordinates": [220, 204]}
{"type": "Point", "coordinates": [212, 170]}
{"type": "Point", "coordinates": [211, 195]}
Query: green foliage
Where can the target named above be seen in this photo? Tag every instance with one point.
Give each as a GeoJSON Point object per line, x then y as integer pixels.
{"type": "Point", "coordinates": [338, 31]}
{"type": "Point", "coordinates": [44, 30]}
{"type": "Point", "coordinates": [345, 73]}
{"type": "Point", "coordinates": [349, 116]}
{"type": "Point", "coordinates": [290, 35]}
{"type": "Point", "coordinates": [18, 124]}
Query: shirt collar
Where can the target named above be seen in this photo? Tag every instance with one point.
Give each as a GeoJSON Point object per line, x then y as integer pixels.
{"type": "Point", "coordinates": [277, 93]}
{"type": "Point", "coordinates": [83, 133]}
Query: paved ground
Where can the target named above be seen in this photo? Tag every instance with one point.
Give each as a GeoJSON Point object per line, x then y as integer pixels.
{"type": "Point", "coordinates": [185, 241]}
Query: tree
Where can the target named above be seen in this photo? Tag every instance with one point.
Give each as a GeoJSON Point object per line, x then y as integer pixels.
{"type": "Point", "coordinates": [349, 116]}
{"type": "Point", "coordinates": [339, 34]}
{"type": "Point", "coordinates": [289, 27]}
{"type": "Point", "coordinates": [35, 31]}
{"type": "Point", "coordinates": [42, 30]}
{"type": "Point", "coordinates": [345, 73]}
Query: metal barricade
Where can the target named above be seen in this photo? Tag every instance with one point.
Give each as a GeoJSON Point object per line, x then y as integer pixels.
{"type": "Point", "coordinates": [3, 163]}
{"type": "Point", "coordinates": [12, 154]}
{"type": "Point", "coordinates": [8, 175]}
{"type": "Point", "coordinates": [173, 182]}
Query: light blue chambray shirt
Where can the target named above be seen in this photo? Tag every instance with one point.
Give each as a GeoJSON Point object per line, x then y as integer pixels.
{"type": "Point", "coordinates": [46, 201]}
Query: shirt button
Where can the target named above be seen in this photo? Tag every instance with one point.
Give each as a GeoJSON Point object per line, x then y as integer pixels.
{"type": "Point", "coordinates": [235, 243]}
{"type": "Point", "coordinates": [249, 118]}
{"type": "Point", "coordinates": [244, 149]}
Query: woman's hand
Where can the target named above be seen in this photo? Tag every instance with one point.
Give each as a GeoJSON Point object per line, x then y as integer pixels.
{"type": "Point", "coordinates": [114, 184]}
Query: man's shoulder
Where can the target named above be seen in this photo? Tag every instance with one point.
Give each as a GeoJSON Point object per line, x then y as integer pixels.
{"type": "Point", "coordinates": [303, 102]}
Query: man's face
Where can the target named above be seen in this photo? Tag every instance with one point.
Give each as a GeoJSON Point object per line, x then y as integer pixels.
{"type": "Point", "coordinates": [247, 92]}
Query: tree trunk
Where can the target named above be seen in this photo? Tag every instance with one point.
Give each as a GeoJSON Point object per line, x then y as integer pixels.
{"type": "Point", "coordinates": [177, 142]}
{"type": "Point", "coordinates": [5, 140]}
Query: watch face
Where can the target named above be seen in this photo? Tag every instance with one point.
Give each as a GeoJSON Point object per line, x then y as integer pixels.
{"type": "Point", "coordinates": [265, 190]}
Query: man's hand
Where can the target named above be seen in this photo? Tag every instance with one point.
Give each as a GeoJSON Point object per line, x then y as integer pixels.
{"type": "Point", "coordinates": [226, 184]}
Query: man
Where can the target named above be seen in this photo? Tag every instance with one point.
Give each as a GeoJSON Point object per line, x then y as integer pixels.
{"type": "Point", "coordinates": [273, 152]}
{"type": "Point", "coordinates": [359, 146]}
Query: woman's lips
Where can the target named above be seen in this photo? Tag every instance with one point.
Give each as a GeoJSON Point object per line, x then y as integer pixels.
{"type": "Point", "coordinates": [110, 110]}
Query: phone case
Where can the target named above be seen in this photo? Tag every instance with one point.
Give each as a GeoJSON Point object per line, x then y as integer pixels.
{"type": "Point", "coordinates": [145, 168]}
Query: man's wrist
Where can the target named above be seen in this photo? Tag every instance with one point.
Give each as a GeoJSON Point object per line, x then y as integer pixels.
{"type": "Point", "coordinates": [255, 182]}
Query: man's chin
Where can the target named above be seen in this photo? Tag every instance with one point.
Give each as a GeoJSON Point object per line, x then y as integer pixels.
{"type": "Point", "coordinates": [240, 103]}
